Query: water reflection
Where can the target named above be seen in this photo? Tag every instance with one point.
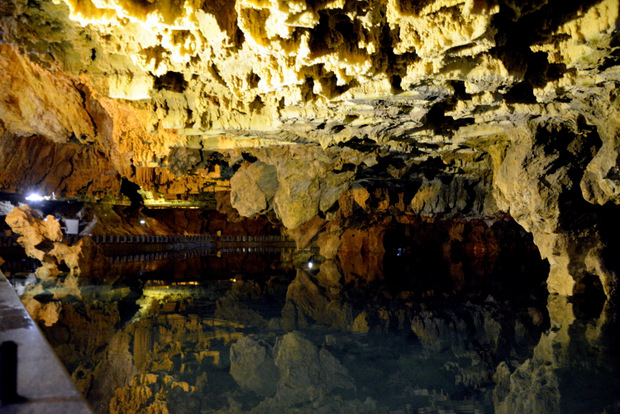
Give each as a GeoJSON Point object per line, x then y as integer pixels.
{"type": "Point", "coordinates": [265, 333]}
{"type": "Point", "coordinates": [574, 367]}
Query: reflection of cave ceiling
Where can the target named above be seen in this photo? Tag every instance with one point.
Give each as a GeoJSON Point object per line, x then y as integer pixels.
{"type": "Point", "coordinates": [445, 108]}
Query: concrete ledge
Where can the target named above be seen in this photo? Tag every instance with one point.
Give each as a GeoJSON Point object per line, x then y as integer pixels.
{"type": "Point", "coordinates": [43, 385]}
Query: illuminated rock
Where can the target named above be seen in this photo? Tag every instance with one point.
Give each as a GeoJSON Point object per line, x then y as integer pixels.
{"type": "Point", "coordinates": [34, 231]}
{"type": "Point", "coordinates": [252, 188]}
{"type": "Point", "coordinates": [29, 101]}
{"type": "Point", "coordinates": [42, 239]}
{"type": "Point", "coordinates": [542, 193]}
{"type": "Point", "coordinates": [455, 102]}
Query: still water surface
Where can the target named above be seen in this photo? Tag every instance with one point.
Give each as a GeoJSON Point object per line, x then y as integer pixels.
{"type": "Point", "coordinates": [276, 331]}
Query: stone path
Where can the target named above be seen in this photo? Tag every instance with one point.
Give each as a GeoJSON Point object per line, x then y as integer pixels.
{"type": "Point", "coordinates": [32, 379]}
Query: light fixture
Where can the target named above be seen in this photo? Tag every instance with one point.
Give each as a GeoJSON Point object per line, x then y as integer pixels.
{"type": "Point", "coordinates": [34, 197]}
{"type": "Point", "coordinates": [310, 264]}
{"type": "Point", "coordinates": [142, 221]}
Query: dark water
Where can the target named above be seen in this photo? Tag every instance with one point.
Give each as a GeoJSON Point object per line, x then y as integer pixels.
{"type": "Point", "coordinates": [410, 331]}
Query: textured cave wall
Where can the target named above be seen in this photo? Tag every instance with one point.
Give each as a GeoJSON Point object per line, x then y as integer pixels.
{"type": "Point", "coordinates": [396, 73]}
{"type": "Point", "coordinates": [440, 109]}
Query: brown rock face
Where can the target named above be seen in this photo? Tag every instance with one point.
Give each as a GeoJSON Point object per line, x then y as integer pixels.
{"type": "Point", "coordinates": [42, 239]}
{"type": "Point", "coordinates": [442, 109]}
{"type": "Point", "coordinates": [36, 164]}
{"type": "Point", "coordinates": [542, 193]}
{"type": "Point", "coordinates": [30, 103]}
{"type": "Point", "coordinates": [253, 188]}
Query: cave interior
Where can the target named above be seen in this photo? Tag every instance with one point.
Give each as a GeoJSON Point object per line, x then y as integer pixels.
{"type": "Point", "coordinates": [234, 206]}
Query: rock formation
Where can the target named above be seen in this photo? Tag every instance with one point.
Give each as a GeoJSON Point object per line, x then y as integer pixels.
{"type": "Point", "coordinates": [42, 239]}
{"type": "Point", "coordinates": [430, 153]}
{"type": "Point", "coordinates": [449, 108]}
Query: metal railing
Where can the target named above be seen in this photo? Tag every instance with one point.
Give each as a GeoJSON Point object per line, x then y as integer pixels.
{"type": "Point", "coordinates": [11, 241]}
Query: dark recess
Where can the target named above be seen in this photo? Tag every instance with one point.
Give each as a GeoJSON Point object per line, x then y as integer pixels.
{"type": "Point", "coordinates": [130, 190]}
{"type": "Point", "coordinates": [171, 81]}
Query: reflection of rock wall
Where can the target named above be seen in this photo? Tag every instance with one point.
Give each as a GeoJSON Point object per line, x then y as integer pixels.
{"type": "Point", "coordinates": [292, 372]}
{"type": "Point", "coordinates": [182, 351]}
{"type": "Point", "coordinates": [570, 371]}
{"type": "Point", "coordinates": [312, 300]}
{"type": "Point", "coordinates": [426, 256]}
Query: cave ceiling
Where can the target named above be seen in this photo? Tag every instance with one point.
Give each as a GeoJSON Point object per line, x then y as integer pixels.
{"type": "Point", "coordinates": [444, 108]}
{"type": "Point", "coordinates": [145, 81]}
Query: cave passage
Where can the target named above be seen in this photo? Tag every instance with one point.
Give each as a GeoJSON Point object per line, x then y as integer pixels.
{"type": "Point", "coordinates": [456, 259]}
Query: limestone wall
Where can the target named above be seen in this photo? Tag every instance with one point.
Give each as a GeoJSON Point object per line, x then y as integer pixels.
{"type": "Point", "coordinates": [467, 108]}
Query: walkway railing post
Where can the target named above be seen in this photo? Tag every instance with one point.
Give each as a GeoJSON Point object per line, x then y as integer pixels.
{"type": "Point", "coordinates": [8, 373]}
